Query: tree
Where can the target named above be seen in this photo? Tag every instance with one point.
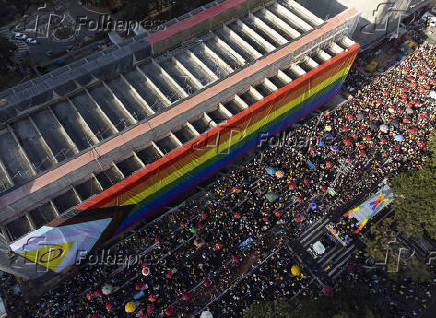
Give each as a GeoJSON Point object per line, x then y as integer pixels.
{"type": "Point", "coordinates": [277, 308]}
{"type": "Point", "coordinates": [415, 202]}
{"type": "Point", "coordinates": [7, 50]}
{"type": "Point", "coordinates": [346, 303]}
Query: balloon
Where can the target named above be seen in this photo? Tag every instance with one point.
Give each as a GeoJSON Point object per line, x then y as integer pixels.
{"type": "Point", "coordinates": [130, 307]}
{"type": "Point", "coordinates": [295, 270]}
{"type": "Point", "coordinates": [145, 271]}
{"type": "Point", "coordinates": [237, 215]}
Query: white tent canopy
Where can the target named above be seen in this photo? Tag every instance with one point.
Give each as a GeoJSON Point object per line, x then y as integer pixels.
{"type": "Point", "coordinates": [318, 247]}
{"type": "Point", "coordinates": [206, 314]}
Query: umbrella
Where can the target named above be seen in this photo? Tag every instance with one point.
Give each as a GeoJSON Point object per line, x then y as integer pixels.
{"type": "Point", "coordinates": [413, 84]}
{"type": "Point", "coordinates": [183, 223]}
{"type": "Point", "coordinates": [203, 215]}
{"type": "Point", "coordinates": [421, 144]}
{"type": "Point", "coordinates": [324, 188]}
{"type": "Point", "coordinates": [279, 174]}
{"type": "Point", "coordinates": [169, 311]}
{"type": "Point", "coordinates": [139, 295]}
{"type": "Point", "coordinates": [313, 206]}
{"type": "Point", "coordinates": [150, 309]}
{"type": "Point", "coordinates": [271, 171]}
{"type": "Point", "coordinates": [321, 143]}
{"type": "Point", "coordinates": [107, 289]}
{"type": "Point", "coordinates": [362, 146]}
{"type": "Point", "coordinates": [206, 314]}
{"type": "Point", "coordinates": [237, 215]}
{"type": "Point", "coordinates": [152, 298]}
{"type": "Point", "coordinates": [328, 136]}
{"type": "Point", "coordinates": [145, 271]}
{"type": "Point", "coordinates": [334, 148]}
{"type": "Point", "coordinates": [355, 136]}
{"type": "Point", "coordinates": [157, 239]}
{"type": "Point", "coordinates": [194, 229]}
{"type": "Point", "coordinates": [299, 218]}
{"type": "Point", "coordinates": [379, 101]}
{"type": "Point", "coordinates": [399, 138]}
{"type": "Point", "coordinates": [109, 306]}
{"type": "Point", "coordinates": [406, 120]}
{"type": "Point", "coordinates": [347, 142]}
{"type": "Point", "coordinates": [306, 180]}
{"type": "Point", "coordinates": [198, 243]}
{"type": "Point", "coordinates": [207, 283]}
{"type": "Point", "coordinates": [292, 186]}
{"type": "Point", "coordinates": [295, 270]}
{"type": "Point", "coordinates": [328, 164]}
{"type": "Point", "coordinates": [362, 153]}
{"type": "Point", "coordinates": [236, 190]}
{"type": "Point", "coordinates": [413, 130]}
{"type": "Point", "coordinates": [345, 129]}
{"type": "Point", "coordinates": [299, 198]}
{"type": "Point", "coordinates": [130, 307]}
{"type": "Point", "coordinates": [327, 291]}
{"type": "Point", "coordinates": [95, 316]}
{"type": "Point", "coordinates": [349, 116]}
{"type": "Point", "coordinates": [277, 213]}
{"type": "Point", "coordinates": [199, 226]}
{"type": "Point", "coordinates": [422, 115]}
{"type": "Point", "coordinates": [384, 128]}
{"type": "Point", "coordinates": [271, 196]}
{"type": "Point", "coordinates": [187, 296]}
{"type": "Point", "coordinates": [169, 274]}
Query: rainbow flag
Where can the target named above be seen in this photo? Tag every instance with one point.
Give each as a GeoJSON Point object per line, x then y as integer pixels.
{"type": "Point", "coordinates": [147, 191]}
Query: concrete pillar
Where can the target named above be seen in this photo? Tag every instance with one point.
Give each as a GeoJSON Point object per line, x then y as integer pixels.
{"type": "Point", "coordinates": [30, 220]}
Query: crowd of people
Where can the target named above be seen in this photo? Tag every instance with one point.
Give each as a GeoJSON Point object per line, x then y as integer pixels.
{"type": "Point", "coordinates": [221, 250]}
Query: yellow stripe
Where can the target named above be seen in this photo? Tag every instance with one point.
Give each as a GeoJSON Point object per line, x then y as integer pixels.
{"type": "Point", "coordinates": [234, 139]}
